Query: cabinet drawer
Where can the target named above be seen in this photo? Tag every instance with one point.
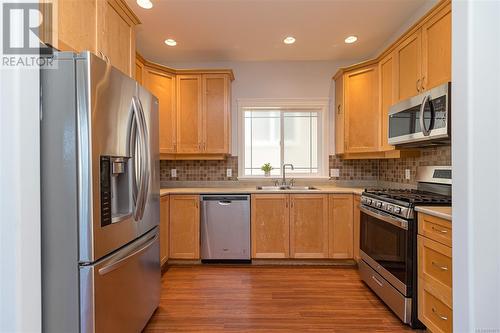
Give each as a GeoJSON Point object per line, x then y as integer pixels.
{"type": "Point", "coordinates": [436, 315]}
{"type": "Point", "coordinates": [435, 268]}
{"type": "Point", "coordinates": [435, 228]}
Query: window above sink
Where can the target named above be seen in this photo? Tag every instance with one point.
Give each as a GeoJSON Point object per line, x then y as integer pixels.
{"type": "Point", "coordinates": [280, 132]}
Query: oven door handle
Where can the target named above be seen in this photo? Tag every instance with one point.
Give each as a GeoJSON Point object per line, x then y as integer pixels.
{"type": "Point", "coordinates": [400, 223]}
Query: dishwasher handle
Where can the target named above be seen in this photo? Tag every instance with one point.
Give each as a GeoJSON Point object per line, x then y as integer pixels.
{"type": "Point", "coordinates": [225, 199]}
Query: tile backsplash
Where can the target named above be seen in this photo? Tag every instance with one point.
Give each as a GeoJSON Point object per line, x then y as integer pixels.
{"type": "Point", "coordinates": [390, 170]}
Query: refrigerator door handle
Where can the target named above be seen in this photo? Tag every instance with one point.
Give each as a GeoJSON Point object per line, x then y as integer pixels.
{"type": "Point", "coordinates": [115, 263]}
{"type": "Point", "coordinates": [138, 161]}
{"type": "Point", "coordinates": [146, 158]}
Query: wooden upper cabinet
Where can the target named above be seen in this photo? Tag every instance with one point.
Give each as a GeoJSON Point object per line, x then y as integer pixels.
{"type": "Point", "coordinates": [436, 49]}
{"type": "Point", "coordinates": [387, 97]}
{"type": "Point", "coordinates": [339, 115]}
{"type": "Point", "coordinates": [139, 69]}
{"type": "Point", "coordinates": [408, 56]}
{"type": "Point", "coordinates": [162, 85]}
{"type": "Point", "coordinates": [184, 230]}
{"type": "Point", "coordinates": [216, 113]}
{"type": "Point", "coordinates": [309, 226]}
{"type": "Point", "coordinates": [189, 114]}
{"type": "Point", "coordinates": [116, 34]}
{"type": "Point", "coordinates": [76, 26]}
{"type": "Point", "coordinates": [362, 116]}
{"type": "Point", "coordinates": [104, 27]}
{"type": "Point", "coordinates": [164, 218]}
{"type": "Point", "coordinates": [341, 227]}
{"type": "Point", "coordinates": [270, 224]}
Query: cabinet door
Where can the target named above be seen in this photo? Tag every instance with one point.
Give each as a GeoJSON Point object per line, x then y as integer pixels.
{"type": "Point", "coordinates": [309, 226]}
{"type": "Point", "coordinates": [270, 226]}
{"type": "Point", "coordinates": [139, 67]}
{"type": "Point", "coordinates": [408, 67]}
{"type": "Point", "coordinates": [76, 25]}
{"type": "Point", "coordinates": [362, 116]}
{"type": "Point", "coordinates": [356, 226]}
{"type": "Point", "coordinates": [164, 217]}
{"type": "Point", "coordinates": [216, 114]}
{"type": "Point", "coordinates": [162, 85]}
{"type": "Point", "coordinates": [189, 114]}
{"type": "Point", "coordinates": [436, 49]}
{"type": "Point", "coordinates": [184, 227]}
{"type": "Point", "coordinates": [339, 115]}
{"type": "Point", "coordinates": [387, 97]}
{"type": "Point", "coordinates": [116, 34]}
{"type": "Point", "coordinates": [341, 226]}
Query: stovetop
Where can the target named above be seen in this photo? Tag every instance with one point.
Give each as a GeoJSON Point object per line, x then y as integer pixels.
{"type": "Point", "coordinates": [401, 203]}
{"type": "Point", "coordinates": [414, 197]}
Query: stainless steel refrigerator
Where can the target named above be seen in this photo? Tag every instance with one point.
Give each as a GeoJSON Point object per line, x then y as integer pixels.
{"type": "Point", "coordinates": [100, 198]}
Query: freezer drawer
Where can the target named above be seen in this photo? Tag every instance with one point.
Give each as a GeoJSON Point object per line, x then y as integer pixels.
{"type": "Point", "coordinates": [121, 292]}
{"type": "Point", "coordinates": [225, 227]}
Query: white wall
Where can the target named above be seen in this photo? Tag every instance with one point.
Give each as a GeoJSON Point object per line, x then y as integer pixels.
{"type": "Point", "coordinates": [476, 163]}
{"type": "Point", "coordinates": [288, 79]}
{"type": "Point", "coordinates": [20, 266]}
{"type": "Point", "coordinates": [20, 275]}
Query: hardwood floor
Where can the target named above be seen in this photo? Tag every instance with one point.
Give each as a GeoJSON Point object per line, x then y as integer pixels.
{"type": "Point", "coordinates": [269, 299]}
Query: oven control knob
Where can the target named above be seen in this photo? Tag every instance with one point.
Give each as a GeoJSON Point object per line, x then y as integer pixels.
{"type": "Point", "coordinates": [390, 208]}
{"type": "Point", "coordinates": [369, 201]}
{"type": "Point", "coordinates": [379, 204]}
{"type": "Point", "coordinates": [397, 210]}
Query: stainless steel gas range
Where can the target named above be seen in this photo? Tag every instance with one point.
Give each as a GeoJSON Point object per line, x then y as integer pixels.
{"type": "Point", "coordinates": [388, 239]}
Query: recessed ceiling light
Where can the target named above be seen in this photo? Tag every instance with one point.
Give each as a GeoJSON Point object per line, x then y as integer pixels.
{"type": "Point", "coordinates": [170, 42]}
{"type": "Point", "coordinates": [350, 39]}
{"type": "Point", "coordinates": [146, 4]}
{"type": "Point", "coordinates": [289, 40]}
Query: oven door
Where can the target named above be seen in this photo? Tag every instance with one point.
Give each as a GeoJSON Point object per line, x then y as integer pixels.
{"type": "Point", "coordinates": [386, 246]}
{"type": "Point", "coordinates": [421, 118]}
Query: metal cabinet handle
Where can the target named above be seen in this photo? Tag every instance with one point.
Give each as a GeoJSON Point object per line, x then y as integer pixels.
{"type": "Point", "coordinates": [418, 85]}
{"type": "Point", "coordinates": [439, 230]}
{"type": "Point", "coordinates": [377, 281]}
{"type": "Point", "coordinates": [338, 109]}
{"type": "Point", "coordinates": [443, 268]}
{"type": "Point", "coordinates": [422, 85]}
{"type": "Point", "coordinates": [437, 314]}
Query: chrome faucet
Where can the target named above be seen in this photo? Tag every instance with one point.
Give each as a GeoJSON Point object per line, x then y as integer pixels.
{"type": "Point", "coordinates": [283, 182]}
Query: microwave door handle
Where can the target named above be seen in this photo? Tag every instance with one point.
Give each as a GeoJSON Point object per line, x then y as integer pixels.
{"type": "Point", "coordinates": [425, 130]}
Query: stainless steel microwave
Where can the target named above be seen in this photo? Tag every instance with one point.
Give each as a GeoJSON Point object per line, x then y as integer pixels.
{"type": "Point", "coordinates": [422, 120]}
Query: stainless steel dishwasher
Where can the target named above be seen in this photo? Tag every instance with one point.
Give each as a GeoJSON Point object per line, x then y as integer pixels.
{"type": "Point", "coordinates": [225, 228]}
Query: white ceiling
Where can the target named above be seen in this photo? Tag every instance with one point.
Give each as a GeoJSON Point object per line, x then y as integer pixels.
{"type": "Point", "coordinates": [253, 30]}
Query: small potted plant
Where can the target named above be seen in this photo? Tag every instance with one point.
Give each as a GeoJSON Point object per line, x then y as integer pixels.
{"type": "Point", "coordinates": [267, 169]}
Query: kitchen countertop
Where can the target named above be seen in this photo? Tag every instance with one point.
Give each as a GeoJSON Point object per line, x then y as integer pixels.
{"type": "Point", "coordinates": [443, 212]}
{"type": "Point", "coordinates": [253, 190]}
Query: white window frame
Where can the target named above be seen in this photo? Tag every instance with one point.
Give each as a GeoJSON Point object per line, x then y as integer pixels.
{"type": "Point", "coordinates": [319, 105]}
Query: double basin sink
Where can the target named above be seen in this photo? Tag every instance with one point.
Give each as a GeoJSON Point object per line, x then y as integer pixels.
{"type": "Point", "coordinates": [286, 188]}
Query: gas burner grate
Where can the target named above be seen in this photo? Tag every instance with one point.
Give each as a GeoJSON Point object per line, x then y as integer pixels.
{"type": "Point", "coordinates": [411, 196]}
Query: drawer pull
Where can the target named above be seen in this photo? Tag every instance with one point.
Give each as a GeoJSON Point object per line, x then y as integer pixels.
{"type": "Point", "coordinates": [443, 268]}
{"type": "Point", "coordinates": [440, 230]}
{"type": "Point", "coordinates": [437, 314]}
{"type": "Point", "coordinates": [377, 281]}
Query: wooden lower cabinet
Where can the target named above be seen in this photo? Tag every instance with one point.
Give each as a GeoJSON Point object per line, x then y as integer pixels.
{"type": "Point", "coordinates": [341, 226]}
{"type": "Point", "coordinates": [184, 230]}
{"type": "Point", "coordinates": [356, 218]}
{"type": "Point", "coordinates": [435, 294]}
{"type": "Point", "coordinates": [270, 226]}
{"type": "Point", "coordinates": [164, 218]}
{"type": "Point", "coordinates": [309, 226]}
